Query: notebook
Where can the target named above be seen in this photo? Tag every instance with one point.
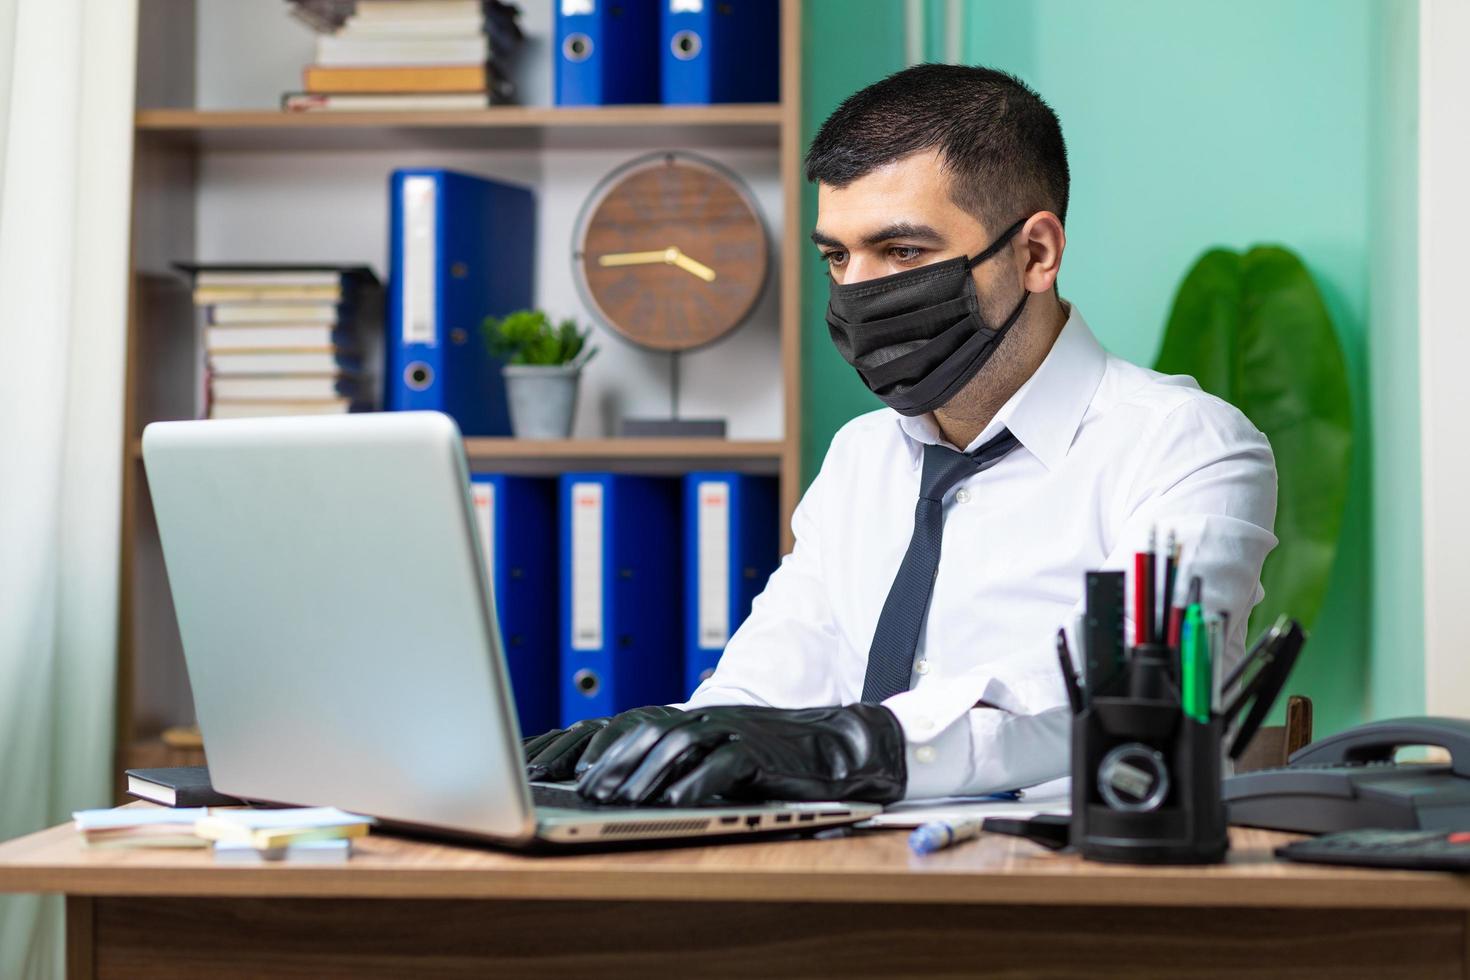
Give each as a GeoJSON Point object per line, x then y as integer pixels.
{"type": "Point", "coordinates": [177, 786]}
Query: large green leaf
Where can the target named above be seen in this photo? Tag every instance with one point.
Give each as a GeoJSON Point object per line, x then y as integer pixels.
{"type": "Point", "coordinates": [1253, 329]}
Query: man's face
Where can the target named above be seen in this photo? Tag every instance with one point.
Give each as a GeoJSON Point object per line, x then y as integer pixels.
{"type": "Point", "coordinates": [901, 217]}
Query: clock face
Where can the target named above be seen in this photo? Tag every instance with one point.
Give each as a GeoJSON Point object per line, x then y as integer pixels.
{"type": "Point", "coordinates": [671, 252]}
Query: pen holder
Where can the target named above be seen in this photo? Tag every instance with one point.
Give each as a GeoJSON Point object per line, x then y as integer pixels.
{"type": "Point", "coordinates": [1145, 776]}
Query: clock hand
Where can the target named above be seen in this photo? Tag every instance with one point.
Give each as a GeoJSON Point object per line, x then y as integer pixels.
{"type": "Point", "coordinates": [694, 268]}
{"type": "Point", "coordinates": [633, 258]}
{"type": "Point", "coordinates": [668, 256]}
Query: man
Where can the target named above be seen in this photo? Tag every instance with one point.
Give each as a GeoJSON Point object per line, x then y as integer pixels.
{"type": "Point", "coordinates": [908, 650]}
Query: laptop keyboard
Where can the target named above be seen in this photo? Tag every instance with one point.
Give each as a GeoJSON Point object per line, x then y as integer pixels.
{"type": "Point", "coordinates": [562, 796]}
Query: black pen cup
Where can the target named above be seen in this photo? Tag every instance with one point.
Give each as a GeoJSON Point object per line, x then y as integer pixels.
{"type": "Point", "coordinates": [1145, 776]}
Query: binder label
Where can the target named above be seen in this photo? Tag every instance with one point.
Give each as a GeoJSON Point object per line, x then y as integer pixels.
{"type": "Point", "coordinates": [713, 529]}
{"type": "Point", "coordinates": [484, 497]}
{"type": "Point", "coordinates": [586, 566]}
{"type": "Point", "coordinates": [419, 261]}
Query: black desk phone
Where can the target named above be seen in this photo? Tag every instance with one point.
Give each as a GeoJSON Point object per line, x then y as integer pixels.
{"type": "Point", "coordinates": [1350, 780]}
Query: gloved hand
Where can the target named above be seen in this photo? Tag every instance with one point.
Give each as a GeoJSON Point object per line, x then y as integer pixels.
{"type": "Point", "coordinates": [854, 752]}
{"type": "Point", "coordinates": [562, 753]}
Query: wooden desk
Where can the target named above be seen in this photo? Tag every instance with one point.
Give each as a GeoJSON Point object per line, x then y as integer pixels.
{"type": "Point", "coordinates": [856, 907]}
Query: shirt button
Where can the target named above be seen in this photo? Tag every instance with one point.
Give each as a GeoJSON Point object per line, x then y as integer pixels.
{"type": "Point", "coordinates": [962, 496]}
{"type": "Point", "coordinates": [925, 724]}
{"type": "Point", "coordinates": [922, 667]}
{"type": "Point", "coordinates": [924, 753]}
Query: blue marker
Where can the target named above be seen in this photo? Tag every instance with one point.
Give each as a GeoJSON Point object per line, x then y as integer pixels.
{"type": "Point", "coordinates": [939, 834]}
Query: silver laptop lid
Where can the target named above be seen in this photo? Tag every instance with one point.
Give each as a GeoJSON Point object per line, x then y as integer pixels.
{"type": "Point", "coordinates": [336, 619]}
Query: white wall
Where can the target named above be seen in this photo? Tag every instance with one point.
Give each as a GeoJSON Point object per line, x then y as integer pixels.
{"type": "Point", "coordinates": [1444, 346]}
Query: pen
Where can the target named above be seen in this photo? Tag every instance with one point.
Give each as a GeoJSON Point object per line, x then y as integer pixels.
{"type": "Point", "coordinates": [939, 834]}
{"type": "Point", "coordinates": [1176, 612]}
{"type": "Point", "coordinates": [1140, 599]}
{"type": "Point", "coordinates": [1215, 634]}
{"type": "Point", "coordinates": [1194, 660]}
{"type": "Point", "coordinates": [1069, 676]}
{"type": "Point", "coordinates": [1166, 604]}
{"type": "Point", "coordinates": [1150, 569]}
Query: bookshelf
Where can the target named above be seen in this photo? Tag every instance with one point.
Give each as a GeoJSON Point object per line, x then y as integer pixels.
{"type": "Point", "coordinates": [219, 173]}
{"type": "Point", "coordinates": [504, 127]}
{"type": "Point", "coordinates": [631, 455]}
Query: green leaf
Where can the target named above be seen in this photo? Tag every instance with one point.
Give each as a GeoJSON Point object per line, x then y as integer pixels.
{"type": "Point", "coordinates": [527, 337]}
{"type": "Point", "coordinates": [1253, 330]}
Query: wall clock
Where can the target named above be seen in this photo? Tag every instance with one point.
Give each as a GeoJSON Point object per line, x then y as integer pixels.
{"type": "Point", "coordinates": [670, 251]}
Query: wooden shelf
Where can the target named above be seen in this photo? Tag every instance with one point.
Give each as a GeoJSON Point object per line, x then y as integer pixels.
{"type": "Point", "coordinates": [625, 455]}
{"type": "Point", "coordinates": [494, 127]}
{"type": "Point", "coordinates": [663, 456]}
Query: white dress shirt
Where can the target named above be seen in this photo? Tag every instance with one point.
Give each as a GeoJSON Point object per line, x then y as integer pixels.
{"type": "Point", "coordinates": [1108, 452]}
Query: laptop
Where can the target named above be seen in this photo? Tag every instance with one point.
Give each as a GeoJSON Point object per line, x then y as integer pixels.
{"type": "Point", "coordinates": [341, 637]}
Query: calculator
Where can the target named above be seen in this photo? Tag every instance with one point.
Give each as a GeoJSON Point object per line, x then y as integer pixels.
{"type": "Point", "coordinates": [1420, 850]}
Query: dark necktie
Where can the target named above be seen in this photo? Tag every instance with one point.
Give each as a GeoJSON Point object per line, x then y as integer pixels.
{"type": "Point", "coordinates": [891, 657]}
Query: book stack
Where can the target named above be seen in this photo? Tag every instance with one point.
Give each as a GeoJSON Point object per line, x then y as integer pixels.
{"type": "Point", "coordinates": [310, 834]}
{"type": "Point", "coordinates": [288, 340]}
{"type": "Point", "coordinates": [407, 55]}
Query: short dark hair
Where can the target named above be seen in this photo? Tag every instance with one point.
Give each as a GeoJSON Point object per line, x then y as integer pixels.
{"type": "Point", "coordinates": [1001, 144]}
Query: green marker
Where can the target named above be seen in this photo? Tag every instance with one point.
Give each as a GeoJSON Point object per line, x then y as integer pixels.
{"type": "Point", "coordinates": [1194, 656]}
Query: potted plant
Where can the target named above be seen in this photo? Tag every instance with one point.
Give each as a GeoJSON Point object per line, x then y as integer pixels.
{"type": "Point", "coordinates": [542, 365]}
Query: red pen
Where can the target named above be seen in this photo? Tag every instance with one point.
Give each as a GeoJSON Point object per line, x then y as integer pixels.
{"type": "Point", "coordinates": [1141, 612]}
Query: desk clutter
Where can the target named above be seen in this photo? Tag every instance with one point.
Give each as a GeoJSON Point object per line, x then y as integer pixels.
{"type": "Point", "coordinates": [576, 561]}
{"type": "Point", "coordinates": [1147, 728]}
{"type": "Point", "coordinates": [309, 834]}
{"type": "Point", "coordinates": [1149, 720]}
{"type": "Point", "coordinates": [386, 55]}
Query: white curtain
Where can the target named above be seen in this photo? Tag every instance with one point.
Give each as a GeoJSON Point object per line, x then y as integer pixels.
{"type": "Point", "coordinates": [66, 103]}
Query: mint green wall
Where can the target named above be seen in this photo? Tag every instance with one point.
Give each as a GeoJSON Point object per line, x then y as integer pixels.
{"type": "Point", "coordinates": [1191, 125]}
{"type": "Point", "coordinates": [841, 53]}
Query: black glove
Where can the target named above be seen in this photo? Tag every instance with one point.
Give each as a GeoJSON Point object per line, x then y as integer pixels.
{"type": "Point", "coordinates": [745, 753]}
{"type": "Point", "coordinates": [562, 753]}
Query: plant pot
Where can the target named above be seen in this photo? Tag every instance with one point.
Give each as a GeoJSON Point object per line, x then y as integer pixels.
{"type": "Point", "coordinates": [543, 399]}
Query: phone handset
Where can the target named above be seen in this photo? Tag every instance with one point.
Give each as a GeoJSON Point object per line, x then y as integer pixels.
{"type": "Point", "coordinates": [1377, 741]}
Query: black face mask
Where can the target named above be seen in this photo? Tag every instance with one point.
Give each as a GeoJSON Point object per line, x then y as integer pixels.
{"type": "Point", "coordinates": [917, 337]}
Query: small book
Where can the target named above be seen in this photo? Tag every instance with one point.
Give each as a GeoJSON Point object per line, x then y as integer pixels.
{"type": "Point", "coordinates": [441, 78]}
{"type": "Point", "coordinates": [139, 827]}
{"type": "Point", "coordinates": [266, 830]}
{"type": "Point", "coordinates": [382, 101]}
{"type": "Point", "coordinates": [305, 362]}
{"type": "Point", "coordinates": [304, 852]}
{"type": "Point", "coordinates": [286, 313]}
{"type": "Point", "coordinates": [177, 786]}
{"type": "Point", "coordinates": [247, 275]}
{"type": "Point", "coordinates": [276, 337]}
{"type": "Point", "coordinates": [204, 295]}
{"type": "Point", "coordinates": [306, 387]}
{"type": "Point", "coordinates": [256, 409]}
{"type": "Point", "coordinates": [396, 51]}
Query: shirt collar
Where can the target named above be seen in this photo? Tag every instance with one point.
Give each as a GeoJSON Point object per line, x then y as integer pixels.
{"type": "Point", "coordinates": [1046, 411]}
